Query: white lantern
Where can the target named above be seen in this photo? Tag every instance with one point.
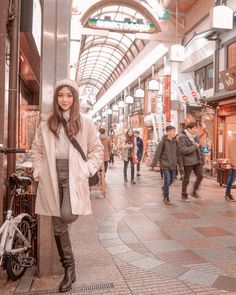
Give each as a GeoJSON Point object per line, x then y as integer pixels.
{"type": "Point", "coordinates": [139, 93]}
{"type": "Point", "coordinates": [109, 111]}
{"type": "Point", "coordinates": [129, 99]}
{"type": "Point", "coordinates": [153, 85]}
{"type": "Point", "coordinates": [221, 17]}
{"type": "Point", "coordinates": [115, 107]}
{"type": "Point", "coordinates": [177, 53]}
{"type": "Point", "coordinates": [121, 104]}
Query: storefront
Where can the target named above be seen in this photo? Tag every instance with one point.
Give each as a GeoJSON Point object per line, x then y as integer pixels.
{"type": "Point", "coordinates": [29, 72]}
{"type": "Point", "coordinates": [226, 125]}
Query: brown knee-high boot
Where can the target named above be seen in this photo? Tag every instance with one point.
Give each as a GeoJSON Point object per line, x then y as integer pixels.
{"type": "Point", "coordinates": [67, 259]}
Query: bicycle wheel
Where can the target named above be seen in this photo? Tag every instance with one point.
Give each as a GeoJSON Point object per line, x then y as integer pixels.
{"type": "Point", "coordinates": [13, 263]}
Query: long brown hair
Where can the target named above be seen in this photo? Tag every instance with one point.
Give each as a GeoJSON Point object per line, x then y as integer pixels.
{"type": "Point", "coordinates": [129, 139]}
{"type": "Point", "coordinates": [55, 120]}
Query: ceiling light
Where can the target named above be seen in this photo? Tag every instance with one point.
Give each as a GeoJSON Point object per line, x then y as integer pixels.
{"type": "Point", "coordinates": [115, 107]}
{"type": "Point", "coordinates": [153, 85]}
{"type": "Point", "coordinates": [139, 92]}
{"type": "Point", "coordinates": [129, 99]}
{"type": "Point", "coordinates": [121, 104]}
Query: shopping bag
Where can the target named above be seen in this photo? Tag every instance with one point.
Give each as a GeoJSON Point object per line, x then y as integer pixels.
{"type": "Point", "coordinates": [134, 159]}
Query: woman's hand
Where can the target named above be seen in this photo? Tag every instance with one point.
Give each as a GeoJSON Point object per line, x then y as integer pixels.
{"type": "Point", "coordinates": [36, 179]}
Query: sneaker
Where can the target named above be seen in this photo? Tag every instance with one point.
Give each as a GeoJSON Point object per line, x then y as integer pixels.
{"type": "Point", "coordinates": [195, 195]}
{"type": "Point", "coordinates": [185, 198]}
{"type": "Point", "coordinates": [125, 179]}
{"type": "Point", "coordinates": [132, 181]}
{"type": "Point", "coordinates": [167, 201]}
{"type": "Point", "coordinates": [138, 174]}
{"type": "Point", "coordinates": [229, 198]}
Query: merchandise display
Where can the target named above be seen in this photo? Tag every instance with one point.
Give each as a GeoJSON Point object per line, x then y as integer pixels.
{"type": "Point", "coordinates": [29, 121]}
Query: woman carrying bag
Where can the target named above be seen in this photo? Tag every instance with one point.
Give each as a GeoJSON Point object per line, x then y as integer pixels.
{"type": "Point", "coordinates": [61, 172]}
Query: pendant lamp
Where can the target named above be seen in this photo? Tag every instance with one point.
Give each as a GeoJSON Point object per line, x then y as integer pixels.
{"type": "Point", "coordinates": [139, 92]}
{"type": "Point", "coordinates": [153, 84]}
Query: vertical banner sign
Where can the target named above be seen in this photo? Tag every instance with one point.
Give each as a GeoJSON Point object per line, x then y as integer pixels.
{"type": "Point", "coordinates": [159, 126]}
{"type": "Point", "coordinates": [166, 97]}
{"type": "Point", "coordinates": [187, 93]}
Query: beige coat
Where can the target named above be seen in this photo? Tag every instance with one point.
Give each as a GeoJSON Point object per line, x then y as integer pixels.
{"type": "Point", "coordinates": [107, 146]}
{"type": "Point", "coordinates": [44, 162]}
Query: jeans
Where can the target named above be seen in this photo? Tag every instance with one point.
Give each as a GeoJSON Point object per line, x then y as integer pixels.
{"type": "Point", "coordinates": [126, 166]}
{"type": "Point", "coordinates": [197, 169]}
{"type": "Point", "coordinates": [112, 158]}
{"type": "Point", "coordinates": [60, 224]}
{"type": "Point", "coordinates": [230, 180]}
{"type": "Point", "coordinates": [169, 177]}
{"type": "Point", "coordinates": [106, 165]}
{"type": "Point", "coordinates": [139, 158]}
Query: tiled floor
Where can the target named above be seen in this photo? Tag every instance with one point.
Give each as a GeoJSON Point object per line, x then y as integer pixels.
{"type": "Point", "coordinates": [142, 246]}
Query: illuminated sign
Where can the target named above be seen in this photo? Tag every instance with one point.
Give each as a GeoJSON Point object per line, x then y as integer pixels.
{"type": "Point", "coordinates": [121, 26]}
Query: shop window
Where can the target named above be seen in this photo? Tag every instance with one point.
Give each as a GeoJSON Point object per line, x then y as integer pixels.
{"type": "Point", "coordinates": [204, 77]}
{"type": "Point", "coordinates": [231, 55]}
{"type": "Point", "coordinates": [209, 76]}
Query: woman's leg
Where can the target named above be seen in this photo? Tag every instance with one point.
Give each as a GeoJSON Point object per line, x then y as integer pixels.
{"type": "Point", "coordinates": [132, 170]}
{"type": "Point", "coordinates": [60, 226]}
{"type": "Point", "coordinates": [125, 170]}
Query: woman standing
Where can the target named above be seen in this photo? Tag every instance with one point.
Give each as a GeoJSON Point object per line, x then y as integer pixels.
{"type": "Point", "coordinates": [128, 151]}
{"type": "Point", "coordinates": [62, 174]}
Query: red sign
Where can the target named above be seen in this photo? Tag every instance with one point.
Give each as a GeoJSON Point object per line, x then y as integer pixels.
{"type": "Point", "coordinates": [227, 110]}
{"type": "Point", "coordinates": [166, 97]}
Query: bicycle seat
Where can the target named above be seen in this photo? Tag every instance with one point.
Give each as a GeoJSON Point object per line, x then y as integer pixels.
{"type": "Point", "coordinates": [23, 181]}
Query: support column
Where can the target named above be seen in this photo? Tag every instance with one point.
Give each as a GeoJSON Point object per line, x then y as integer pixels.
{"type": "Point", "coordinates": [13, 84]}
{"type": "Point", "coordinates": [3, 21]}
{"type": "Point", "coordinates": [54, 67]}
{"type": "Point", "coordinates": [175, 109]}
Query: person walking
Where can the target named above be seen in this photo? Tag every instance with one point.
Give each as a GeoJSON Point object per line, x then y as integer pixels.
{"type": "Point", "coordinates": [167, 154]}
{"type": "Point", "coordinates": [232, 171]}
{"type": "Point", "coordinates": [139, 143]}
{"type": "Point", "coordinates": [191, 158]}
{"type": "Point", "coordinates": [61, 173]}
{"type": "Point", "coordinates": [128, 152]}
{"type": "Point", "coordinates": [107, 147]}
{"type": "Point", "coordinates": [112, 155]}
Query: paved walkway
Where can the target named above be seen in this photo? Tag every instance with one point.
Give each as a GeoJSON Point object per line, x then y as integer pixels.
{"type": "Point", "coordinates": [134, 244]}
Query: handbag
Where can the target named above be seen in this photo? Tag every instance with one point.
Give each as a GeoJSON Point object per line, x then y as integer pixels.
{"type": "Point", "coordinates": [93, 180]}
{"type": "Point", "coordinates": [134, 159]}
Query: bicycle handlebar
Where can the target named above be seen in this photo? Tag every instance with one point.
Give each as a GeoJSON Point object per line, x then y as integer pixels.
{"type": "Point", "coordinates": [5, 150]}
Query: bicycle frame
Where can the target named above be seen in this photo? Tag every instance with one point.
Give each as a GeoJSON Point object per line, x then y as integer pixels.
{"type": "Point", "coordinates": [7, 232]}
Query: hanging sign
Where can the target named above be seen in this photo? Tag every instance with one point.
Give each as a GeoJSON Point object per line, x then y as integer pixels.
{"type": "Point", "coordinates": [221, 18]}
{"type": "Point", "coordinates": [177, 53]}
{"type": "Point", "coordinates": [166, 97]}
{"type": "Point", "coordinates": [188, 93]}
{"type": "Point", "coordinates": [228, 78]}
{"type": "Point", "coordinates": [121, 25]}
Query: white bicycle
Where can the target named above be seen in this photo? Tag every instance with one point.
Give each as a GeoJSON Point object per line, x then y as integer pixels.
{"type": "Point", "coordinates": [16, 232]}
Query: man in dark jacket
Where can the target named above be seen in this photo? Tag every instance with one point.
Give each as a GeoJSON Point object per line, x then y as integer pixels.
{"type": "Point", "coordinates": [191, 158]}
{"type": "Point", "coordinates": [167, 154]}
{"type": "Point", "coordinates": [139, 144]}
